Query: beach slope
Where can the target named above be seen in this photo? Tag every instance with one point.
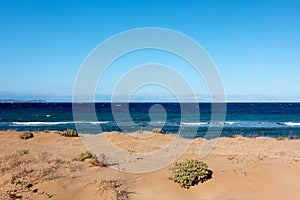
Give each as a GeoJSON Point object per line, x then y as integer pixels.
{"type": "Point", "coordinates": [43, 167]}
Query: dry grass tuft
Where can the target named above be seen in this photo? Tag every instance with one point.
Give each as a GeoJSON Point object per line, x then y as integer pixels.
{"type": "Point", "coordinates": [26, 171]}
{"type": "Point", "coordinates": [26, 135]}
{"type": "Point", "coordinates": [69, 133]}
{"type": "Point", "coordinates": [93, 159]}
{"type": "Point", "coordinates": [114, 188]}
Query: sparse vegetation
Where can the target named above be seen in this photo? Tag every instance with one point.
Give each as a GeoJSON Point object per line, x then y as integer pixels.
{"type": "Point", "coordinates": [280, 138]}
{"type": "Point", "coordinates": [190, 173]}
{"type": "Point", "coordinates": [102, 158]}
{"type": "Point", "coordinates": [131, 151]}
{"type": "Point", "coordinates": [157, 130]}
{"type": "Point", "coordinates": [69, 133]}
{"type": "Point", "coordinates": [22, 152]}
{"type": "Point", "coordinates": [26, 135]}
{"type": "Point", "coordinates": [19, 185]}
{"type": "Point", "coordinates": [21, 168]}
{"type": "Point", "coordinates": [85, 155]}
{"type": "Point", "coordinates": [49, 195]}
{"type": "Point", "coordinates": [94, 160]}
{"type": "Point", "coordinates": [116, 187]}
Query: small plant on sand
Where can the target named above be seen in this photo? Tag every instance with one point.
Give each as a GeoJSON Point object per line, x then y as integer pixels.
{"type": "Point", "coordinates": [22, 152]}
{"type": "Point", "coordinates": [69, 133]}
{"type": "Point", "coordinates": [26, 135]}
{"type": "Point", "coordinates": [280, 138]}
{"type": "Point", "coordinates": [190, 173]}
{"type": "Point", "coordinates": [94, 160]}
{"type": "Point", "coordinates": [102, 158]}
{"type": "Point", "coordinates": [115, 187]}
{"type": "Point", "coordinates": [49, 195]}
{"type": "Point", "coordinates": [85, 155]}
{"type": "Point", "coordinates": [131, 151]}
{"type": "Point", "coordinates": [157, 130]}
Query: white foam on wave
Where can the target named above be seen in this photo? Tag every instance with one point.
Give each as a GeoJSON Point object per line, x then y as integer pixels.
{"type": "Point", "coordinates": [290, 123]}
{"type": "Point", "coordinates": [57, 123]}
{"type": "Point", "coordinates": [158, 122]}
{"type": "Point", "coordinates": [39, 123]}
{"type": "Point", "coordinates": [193, 123]}
{"type": "Point", "coordinates": [230, 123]}
{"type": "Point", "coordinates": [207, 123]}
{"type": "Point", "coordinates": [104, 122]}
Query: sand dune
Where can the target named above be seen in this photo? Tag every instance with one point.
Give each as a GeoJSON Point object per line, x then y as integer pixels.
{"type": "Point", "coordinates": [243, 168]}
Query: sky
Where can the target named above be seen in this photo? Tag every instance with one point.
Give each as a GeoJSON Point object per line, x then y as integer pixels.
{"type": "Point", "coordinates": [254, 44]}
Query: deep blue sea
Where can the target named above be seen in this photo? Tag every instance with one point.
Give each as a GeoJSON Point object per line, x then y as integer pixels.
{"type": "Point", "coordinates": [247, 119]}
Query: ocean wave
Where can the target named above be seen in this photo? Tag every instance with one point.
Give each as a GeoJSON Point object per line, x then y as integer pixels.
{"type": "Point", "coordinates": [39, 123]}
{"type": "Point", "coordinates": [193, 123]}
{"type": "Point", "coordinates": [289, 123]}
{"type": "Point", "coordinates": [158, 122]}
{"type": "Point", "coordinates": [207, 123]}
{"type": "Point", "coordinates": [56, 123]}
{"type": "Point", "coordinates": [230, 123]}
{"type": "Point", "coordinates": [99, 122]}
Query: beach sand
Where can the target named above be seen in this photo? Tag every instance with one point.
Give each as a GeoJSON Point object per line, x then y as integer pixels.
{"type": "Point", "coordinates": [43, 167]}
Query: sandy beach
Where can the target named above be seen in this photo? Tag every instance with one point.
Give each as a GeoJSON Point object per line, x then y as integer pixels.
{"type": "Point", "coordinates": [43, 167]}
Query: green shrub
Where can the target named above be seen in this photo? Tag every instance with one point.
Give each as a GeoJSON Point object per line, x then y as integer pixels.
{"type": "Point", "coordinates": [85, 155]}
{"type": "Point", "coordinates": [157, 130]}
{"type": "Point", "coordinates": [94, 159]}
{"type": "Point", "coordinates": [69, 133]}
{"type": "Point", "coordinates": [26, 135]}
{"type": "Point", "coordinates": [190, 173]}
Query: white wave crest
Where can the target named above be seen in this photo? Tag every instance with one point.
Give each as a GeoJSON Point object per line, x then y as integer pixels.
{"type": "Point", "coordinates": [104, 122]}
{"type": "Point", "coordinates": [194, 123]}
{"type": "Point", "coordinates": [39, 123]}
{"type": "Point", "coordinates": [56, 123]}
{"type": "Point", "coordinates": [290, 123]}
{"type": "Point", "coordinates": [230, 123]}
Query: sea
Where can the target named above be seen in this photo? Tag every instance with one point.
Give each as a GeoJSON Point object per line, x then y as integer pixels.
{"type": "Point", "coordinates": [245, 119]}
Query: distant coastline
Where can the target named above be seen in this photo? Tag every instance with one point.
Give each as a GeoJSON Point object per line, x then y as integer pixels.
{"type": "Point", "coordinates": [21, 101]}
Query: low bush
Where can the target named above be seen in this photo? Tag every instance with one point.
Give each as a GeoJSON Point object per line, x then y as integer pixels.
{"type": "Point", "coordinates": [26, 135]}
{"type": "Point", "coordinates": [280, 138]}
{"type": "Point", "coordinates": [94, 160]}
{"type": "Point", "coordinates": [69, 133]}
{"type": "Point", "coordinates": [114, 187]}
{"type": "Point", "coordinates": [22, 152]}
{"type": "Point", "coordinates": [85, 155]}
{"type": "Point", "coordinates": [190, 173]}
{"type": "Point", "coordinates": [157, 130]}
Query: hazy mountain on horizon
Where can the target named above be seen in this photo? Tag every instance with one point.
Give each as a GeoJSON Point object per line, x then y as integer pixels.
{"type": "Point", "coordinates": [24, 97]}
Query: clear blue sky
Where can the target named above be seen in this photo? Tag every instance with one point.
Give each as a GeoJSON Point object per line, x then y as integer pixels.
{"type": "Point", "coordinates": [255, 44]}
